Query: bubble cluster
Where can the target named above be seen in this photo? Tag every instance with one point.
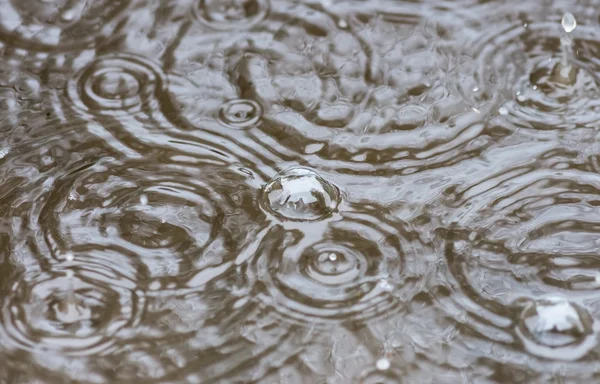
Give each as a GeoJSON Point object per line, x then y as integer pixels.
{"type": "Point", "coordinates": [300, 194]}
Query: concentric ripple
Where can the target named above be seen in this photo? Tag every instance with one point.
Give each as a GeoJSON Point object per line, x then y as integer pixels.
{"type": "Point", "coordinates": [522, 235]}
{"type": "Point", "coordinates": [230, 14]}
{"type": "Point", "coordinates": [57, 25]}
{"type": "Point", "coordinates": [356, 266]}
{"type": "Point", "coordinates": [334, 98]}
{"type": "Point", "coordinates": [174, 218]}
{"type": "Point", "coordinates": [240, 113]}
{"type": "Point", "coordinates": [547, 83]}
{"type": "Point", "coordinates": [77, 309]}
{"type": "Point", "coordinates": [554, 328]}
{"type": "Point", "coordinates": [117, 85]}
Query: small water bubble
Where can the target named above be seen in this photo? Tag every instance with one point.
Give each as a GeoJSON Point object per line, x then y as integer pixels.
{"type": "Point", "coordinates": [503, 111]}
{"type": "Point", "coordinates": [535, 87]}
{"type": "Point", "coordinates": [300, 194]}
{"type": "Point", "coordinates": [568, 22]}
{"type": "Point", "coordinates": [383, 364]}
{"type": "Point", "coordinates": [69, 256]}
{"type": "Point", "coordinates": [342, 24]}
{"type": "Point", "coordinates": [385, 285]}
{"type": "Point", "coordinates": [475, 89]}
{"type": "Point", "coordinates": [332, 257]}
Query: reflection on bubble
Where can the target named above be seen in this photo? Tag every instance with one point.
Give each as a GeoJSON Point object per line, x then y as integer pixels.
{"type": "Point", "coordinates": [557, 329]}
{"type": "Point", "coordinates": [300, 194]}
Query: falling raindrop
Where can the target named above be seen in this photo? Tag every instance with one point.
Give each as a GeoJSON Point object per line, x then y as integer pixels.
{"type": "Point", "coordinates": [568, 22]}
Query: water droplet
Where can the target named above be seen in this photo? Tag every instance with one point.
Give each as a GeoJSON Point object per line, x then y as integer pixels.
{"type": "Point", "coordinates": [556, 328]}
{"type": "Point", "coordinates": [385, 285]}
{"type": "Point", "coordinates": [342, 24]}
{"type": "Point", "coordinates": [383, 364]}
{"type": "Point", "coordinates": [475, 89]}
{"type": "Point", "coordinates": [240, 113]}
{"type": "Point", "coordinates": [568, 22]}
{"type": "Point", "coordinates": [69, 256]}
{"type": "Point", "coordinates": [332, 257]}
{"type": "Point", "coordinates": [503, 111]}
{"type": "Point", "coordinates": [300, 194]}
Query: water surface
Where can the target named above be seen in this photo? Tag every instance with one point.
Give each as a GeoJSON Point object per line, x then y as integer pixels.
{"type": "Point", "coordinates": [277, 191]}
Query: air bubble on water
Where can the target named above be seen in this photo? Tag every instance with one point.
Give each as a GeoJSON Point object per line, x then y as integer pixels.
{"type": "Point", "coordinates": [503, 111]}
{"type": "Point", "coordinates": [383, 364]}
{"type": "Point", "coordinates": [475, 89]}
{"type": "Point", "coordinates": [535, 87]}
{"type": "Point", "coordinates": [332, 257]}
{"type": "Point", "coordinates": [144, 200]}
{"type": "Point", "coordinates": [342, 24]}
{"type": "Point", "coordinates": [69, 256]}
{"type": "Point", "coordinates": [568, 22]}
{"type": "Point", "coordinates": [300, 194]}
{"type": "Point", "coordinates": [385, 285]}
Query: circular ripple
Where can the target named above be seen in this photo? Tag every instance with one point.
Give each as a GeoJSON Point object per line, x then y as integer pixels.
{"type": "Point", "coordinates": [117, 85]}
{"type": "Point", "coordinates": [354, 267]}
{"type": "Point", "coordinates": [177, 219]}
{"type": "Point", "coordinates": [543, 89]}
{"type": "Point", "coordinates": [362, 96]}
{"type": "Point", "coordinates": [376, 376]}
{"type": "Point", "coordinates": [57, 25]}
{"type": "Point", "coordinates": [78, 309]}
{"type": "Point", "coordinates": [240, 113]}
{"type": "Point", "coordinates": [300, 194]}
{"type": "Point", "coordinates": [230, 14]}
{"type": "Point", "coordinates": [527, 233]}
{"type": "Point", "coordinates": [555, 328]}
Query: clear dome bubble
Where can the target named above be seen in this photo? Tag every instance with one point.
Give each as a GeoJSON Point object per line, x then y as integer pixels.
{"type": "Point", "coordinates": [300, 194]}
{"type": "Point", "coordinates": [555, 328]}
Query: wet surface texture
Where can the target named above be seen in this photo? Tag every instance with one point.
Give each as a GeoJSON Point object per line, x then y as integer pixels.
{"type": "Point", "coordinates": [277, 191]}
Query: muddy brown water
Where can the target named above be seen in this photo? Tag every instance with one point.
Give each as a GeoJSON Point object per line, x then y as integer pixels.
{"type": "Point", "coordinates": [277, 191]}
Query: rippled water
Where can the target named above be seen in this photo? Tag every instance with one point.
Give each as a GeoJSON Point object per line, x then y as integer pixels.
{"type": "Point", "coordinates": [277, 191]}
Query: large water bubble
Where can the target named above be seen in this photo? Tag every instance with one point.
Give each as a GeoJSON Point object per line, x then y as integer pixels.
{"type": "Point", "coordinates": [300, 194]}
